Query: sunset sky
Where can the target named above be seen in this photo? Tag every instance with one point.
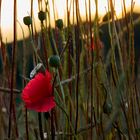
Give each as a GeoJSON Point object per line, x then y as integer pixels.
{"type": "Point", "coordinates": [23, 9]}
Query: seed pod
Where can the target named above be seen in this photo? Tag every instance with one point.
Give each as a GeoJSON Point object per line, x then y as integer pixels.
{"type": "Point", "coordinates": [59, 24]}
{"type": "Point", "coordinates": [107, 108]}
{"type": "Point", "coordinates": [54, 61]}
{"type": "Point", "coordinates": [27, 20]}
{"type": "Point", "coordinates": [42, 16]}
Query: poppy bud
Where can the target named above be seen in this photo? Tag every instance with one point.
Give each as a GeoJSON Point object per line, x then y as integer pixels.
{"type": "Point", "coordinates": [59, 23]}
{"type": "Point", "coordinates": [27, 20]}
{"type": "Point", "coordinates": [107, 108]}
{"type": "Point", "coordinates": [54, 61]}
{"type": "Point", "coordinates": [41, 16]}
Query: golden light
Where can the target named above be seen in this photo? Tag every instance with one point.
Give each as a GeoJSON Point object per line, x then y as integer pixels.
{"type": "Point", "coordinates": [59, 6]}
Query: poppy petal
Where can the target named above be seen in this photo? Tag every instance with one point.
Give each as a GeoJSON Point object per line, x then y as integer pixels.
{"type": "Point", "coordinates": [37, 94]}
{"type": "Point", "coordinates": [44, 105]}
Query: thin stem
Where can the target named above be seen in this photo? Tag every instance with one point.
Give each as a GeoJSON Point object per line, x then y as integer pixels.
{"type": "Point", "coordinates": [91, 77]}
{"type": "Point", "coordinates": [44, 45]}
{"type": "Point", "coordinates": [52, 113]}
{"type": "Point", "coordinates": [26, 123]}
{"type": "Point", "coordinates": [52, 125]}
{"type": "Point", "coordinates": [31, 11]}
{"type": "Point", "coordinates": [0, 24]}
{"type": "Point", "coordinates": [34, 47]}
{"type": "Point", "coordinates": [67, 118]}
{"type": "Point", "coordinates": [16, 91]}
{"type": "Point", "coordinates": [40, 126]}
{"type": "Point", "coordinates": [61, 87]}
{"type": "Point", "coordinates": [69, 75]}
{"type": "Point", "coordinates": [77, 41]}
{"type": "Point", "coordinates": [12, 77]}
{"type": "Point", "coordinates": [116, 35]}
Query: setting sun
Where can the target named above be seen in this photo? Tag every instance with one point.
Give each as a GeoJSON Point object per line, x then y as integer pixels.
{"type": "Point", "coordinates": [59, 6]}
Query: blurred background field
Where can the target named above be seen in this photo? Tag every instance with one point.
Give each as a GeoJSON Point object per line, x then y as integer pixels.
{"type": "Point", "coordinates": [96, 88]}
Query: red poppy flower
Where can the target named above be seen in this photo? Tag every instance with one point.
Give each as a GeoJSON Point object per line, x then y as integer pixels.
{"type": "Point", "coordinates": [37, 94]}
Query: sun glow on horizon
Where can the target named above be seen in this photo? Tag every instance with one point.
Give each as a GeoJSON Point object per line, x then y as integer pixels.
{"type": "Point", "coordinates": [23, 9]}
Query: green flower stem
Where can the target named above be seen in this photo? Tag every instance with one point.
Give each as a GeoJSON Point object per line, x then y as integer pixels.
{"type": "Point", "coordinates": [61, 87]}
{"type": "Point", "coordinates": [57, 95]}
{"type": "Point", "coordinates": [116, 35]}
{"type": "Point", "coordinates": [34, 48]}
{"type": "Point", "coordinates": [65, 112]}
{"type": "Point", "coordinates": [54, 42]}
{"type": "Point", "coordinates": [43, 44]}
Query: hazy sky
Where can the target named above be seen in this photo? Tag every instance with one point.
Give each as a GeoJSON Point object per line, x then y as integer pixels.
{"type": "Point", "coordinates": [23, 9]}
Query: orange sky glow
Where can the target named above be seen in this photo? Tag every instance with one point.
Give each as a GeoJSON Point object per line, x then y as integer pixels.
{"type": "Point", "coordinates": [23, 9]}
